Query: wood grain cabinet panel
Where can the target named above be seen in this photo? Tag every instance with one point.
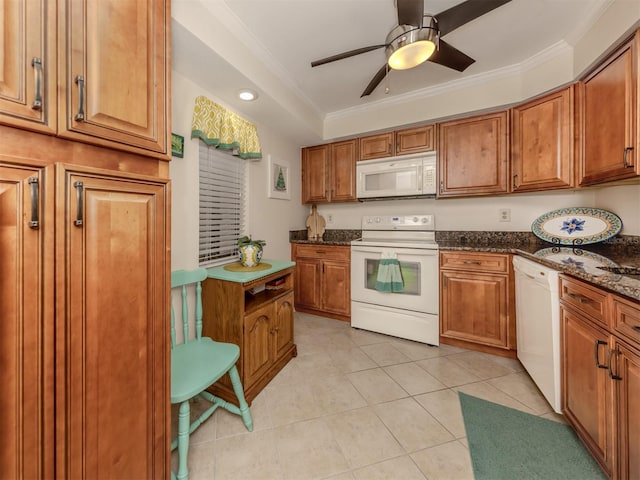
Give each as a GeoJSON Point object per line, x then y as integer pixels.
{"type": "Point", "coordinates": [542, 137]}
{"type": "Point", "coordinates": [377, 146]}
{"type": "Point", "coordinates": [323, 279]}
{"type": "Point", "coordinates": [415, 140]}
{"type": "Point", "coordinates": [473, 155]}
{"type": "Point", "coordinates": [601, 376]}
{"type": "Point", "coordinates": [476, 301]}
{"type": "Point", "coordinates": [627, 371]}
{"type": "Point", "coordinates": [26, 329]}
{"type": "Point", "coordinates": [113, 358]}
{"type": "Point", "coordinates": [609, 122]}
{"type": "Point", "coordinates": [28, 65]}
{"type": "Point", "coordinates": [586, 391]}
{"type": "Point", "coordinates": [329, 172]}
{"type": "Point", "coordinates": [114, 78]}
{"type": "Point", "coordinates": [261, 324]}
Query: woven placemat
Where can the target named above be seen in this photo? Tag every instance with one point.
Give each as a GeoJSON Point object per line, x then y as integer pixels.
{"type": "Point", "coordinates": [238, 267]}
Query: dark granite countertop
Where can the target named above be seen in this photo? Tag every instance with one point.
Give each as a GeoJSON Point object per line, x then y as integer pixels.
{"type": "Point", "coordinates": [580, 262]}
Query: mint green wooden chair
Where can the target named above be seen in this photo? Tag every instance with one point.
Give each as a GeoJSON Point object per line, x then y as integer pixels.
{"type": "Point", "coordinates": [197, 364]}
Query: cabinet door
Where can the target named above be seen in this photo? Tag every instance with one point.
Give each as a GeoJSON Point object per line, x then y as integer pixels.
{"type": "Point", "coordinates": [26, 330]}
{"type": "Point", "coordinates": [474, 307]}
{"type": "Point", "coordinates": [307, 282]}
{"type": "Point", "coordinates": [283, 328]}
{"type": "Point", "coordinates": [542, 143]}
{"type": "Point", "coordinates": [28, 64]}
{"type": "Point", "coordinates": [586, 389]}
{"type": "Point", "coordinates": [315, 174]}
{"type": "Point", "coordinates": [415, 140]}
{"type": "Point", "coordinates": [609, 101]}
{"type": "Point", "coordinates": [113, 356]}
{"type": "Point", "coordinates": [336, 287]}
{"type": "Point", "coordinates": [377, 146]}
{"type": "Point", "coordinates": [472, 156]}
{"type": "Point", "coordinates": [343, 171]}
{"type": "Point", "coordinates": [628, 388]}
{"type": "Point", "coordinates": [257, 351]}
{"type": "Point", "coordinates": [114, 81]}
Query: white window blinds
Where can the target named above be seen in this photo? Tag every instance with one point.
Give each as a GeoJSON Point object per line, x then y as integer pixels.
{"type": "Point", "coordinates": [222, 205]}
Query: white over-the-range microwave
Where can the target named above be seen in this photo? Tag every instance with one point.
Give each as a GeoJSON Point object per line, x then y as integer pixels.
{"type": "Point", "coordinates": [405, 176]}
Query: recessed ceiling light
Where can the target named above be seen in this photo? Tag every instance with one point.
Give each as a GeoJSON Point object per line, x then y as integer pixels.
{"type": "Point", "coordinates": [247, 95]}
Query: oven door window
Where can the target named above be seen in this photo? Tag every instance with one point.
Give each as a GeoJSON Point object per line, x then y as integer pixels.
{"type": "Point", "coordinates": [410, 272]}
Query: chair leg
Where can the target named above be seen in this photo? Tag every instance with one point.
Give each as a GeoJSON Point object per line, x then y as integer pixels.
{"type": "Point", "coordinates": [183, 440]}
{"type": "Point", "coordinates": [244, 408]}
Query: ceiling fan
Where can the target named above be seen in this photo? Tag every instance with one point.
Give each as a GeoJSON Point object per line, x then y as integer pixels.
{"type": "Point", "coordinates": [416, 38]}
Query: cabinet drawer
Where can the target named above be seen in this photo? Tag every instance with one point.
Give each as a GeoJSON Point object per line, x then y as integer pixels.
{"type": "Point", "coordinates": [626, 318]}
{"type": "Point", "coordinates": [584, 298]}
{"type": "Point", "coordinates": [327, 252]}
{"type": "Point", "coordinates": [481, 262]}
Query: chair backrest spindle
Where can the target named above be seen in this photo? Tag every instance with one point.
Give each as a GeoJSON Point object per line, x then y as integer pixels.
{"type": "Point", "coordinates": [186, 279]}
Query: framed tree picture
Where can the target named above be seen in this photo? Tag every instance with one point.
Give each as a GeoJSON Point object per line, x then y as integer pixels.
{"type": "Point", "coordinates": [278, 179]}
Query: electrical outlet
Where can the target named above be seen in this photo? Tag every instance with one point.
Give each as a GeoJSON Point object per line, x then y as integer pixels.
{"type": "Point", "coordinates": [329, 218]}
{"type": "Point", "coordinates": [504, 215]}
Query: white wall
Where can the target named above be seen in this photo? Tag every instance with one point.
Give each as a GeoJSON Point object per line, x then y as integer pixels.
{"type": "Point", "coordinates": [268, 219]}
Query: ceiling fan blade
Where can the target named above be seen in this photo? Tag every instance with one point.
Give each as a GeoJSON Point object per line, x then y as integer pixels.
{"type": "Point", "coordinates": [410, 12]}
{"type": "Point", "coordinates": [350, 53]}
{"type": "Point", "coordinates": [375, 81]}
{"type": "Point", "coordinates": [464, 12]}
{"type": "Point", "coordinates": [451, 57]}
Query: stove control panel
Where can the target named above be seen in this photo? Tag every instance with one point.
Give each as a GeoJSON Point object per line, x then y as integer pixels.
{"type": "Point", "coordinates": [402, 222]}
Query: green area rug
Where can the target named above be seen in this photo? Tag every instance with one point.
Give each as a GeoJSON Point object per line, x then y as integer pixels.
{"type": "Point", "coordinates": [506, 444]}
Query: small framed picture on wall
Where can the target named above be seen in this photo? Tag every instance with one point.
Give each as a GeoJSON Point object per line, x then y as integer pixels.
{"type": "Point", "coordinates": [278, 179]}
{"type": "Point", "coordinates": [177, 145]}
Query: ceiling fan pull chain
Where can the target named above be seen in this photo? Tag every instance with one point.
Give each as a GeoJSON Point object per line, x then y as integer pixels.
{"type": "Point", "coordinates": [386, 87]}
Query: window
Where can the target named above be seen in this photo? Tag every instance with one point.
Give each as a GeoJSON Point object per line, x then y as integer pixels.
{"type": "Point", "coordinates": [222, 205]}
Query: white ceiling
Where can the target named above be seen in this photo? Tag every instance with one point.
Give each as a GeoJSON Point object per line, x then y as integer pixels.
{"type": "Point", "coordinates": [268, 45]}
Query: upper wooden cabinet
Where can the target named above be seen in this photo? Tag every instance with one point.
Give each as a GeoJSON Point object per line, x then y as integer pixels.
{"type": "Point", "coordinates": [112, 79]}
{"type": "Point", "coordinates": [113, 72]}
{"type": "Point", "coordinates": [608, 99]}
{"type": "Point", "coordinates": [416, 140]}
{"type": "Point", "coordinates": [28, 64]}
{"type": "Point", "coordinates": [542, 137]}
{"type": "Point", "coordinates": [377, 146]}
{"type": "Point", "coordinates": [400, 142]}
{"type": "Point", "coordinates": [473, 155]}
{"type": "Point", "coordinates": [329, 172]}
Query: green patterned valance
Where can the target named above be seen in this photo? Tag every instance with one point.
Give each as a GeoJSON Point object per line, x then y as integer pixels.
{"type": "Point", "coordinates": [216, 125]}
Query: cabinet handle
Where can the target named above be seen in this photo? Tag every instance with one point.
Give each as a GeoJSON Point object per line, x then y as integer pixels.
{"type": "Point", "coordinates": [33, 183]}
{"type": "Point", "coordinates": [80, 115]}
{"type": "Point", "coordinates": [514, 181]}
{"type": "Point", "coordinates": [612, 375]}
{"type": "Point", "coordinates": [389, 149]}
{"type": "Point", "coordinates": [596, 353]}
{"type": "Point", "coordinates": [79, 187]}
{"type": "Point", "coordinates": [472, 262]}
{"type": "Point", "coordinates": [580, 298]}
{"type": "Point", "coordinates": [636, 328]}
{"type": "Point", "coordinates": [624, 158]}
{"type": "Point", "coordinates": [36, 63]}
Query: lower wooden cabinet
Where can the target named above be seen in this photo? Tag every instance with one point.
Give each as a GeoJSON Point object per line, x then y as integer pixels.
{"type": "Point", "coordinates": [261, 324]}
{"type": "Point", "coordinates": [323, 279]}
{"type": "Point", "coordinates": [84, 296]}
{"type": "Point", "coordinates": [476, 302]}
{"type": "Point", "coordinates": [601, 374]}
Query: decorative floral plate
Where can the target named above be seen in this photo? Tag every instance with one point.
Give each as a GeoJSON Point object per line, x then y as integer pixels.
{"type": "Point", "coordinates": [576, 258]}
{"type": "Point", "coordinates": [576, 226]}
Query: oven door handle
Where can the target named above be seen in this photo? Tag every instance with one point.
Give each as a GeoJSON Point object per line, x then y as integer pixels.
{"type": "Point", "coordinates": [399, 250]}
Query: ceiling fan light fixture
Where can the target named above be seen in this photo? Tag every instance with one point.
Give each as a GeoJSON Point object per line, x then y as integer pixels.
{"type": "Point", "coordinates": [409, 46]}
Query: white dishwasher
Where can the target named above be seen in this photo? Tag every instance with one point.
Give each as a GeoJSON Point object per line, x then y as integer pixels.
{"type": "Point", "coordinates": [538, 326]}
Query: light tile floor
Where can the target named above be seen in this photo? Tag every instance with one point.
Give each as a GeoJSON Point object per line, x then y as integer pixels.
{"type": "Point", "coordinates": [357, 405]}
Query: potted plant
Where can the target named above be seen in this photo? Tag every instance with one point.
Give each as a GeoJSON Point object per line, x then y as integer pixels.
{"type": "Point", "coordinates": [250, 251]}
